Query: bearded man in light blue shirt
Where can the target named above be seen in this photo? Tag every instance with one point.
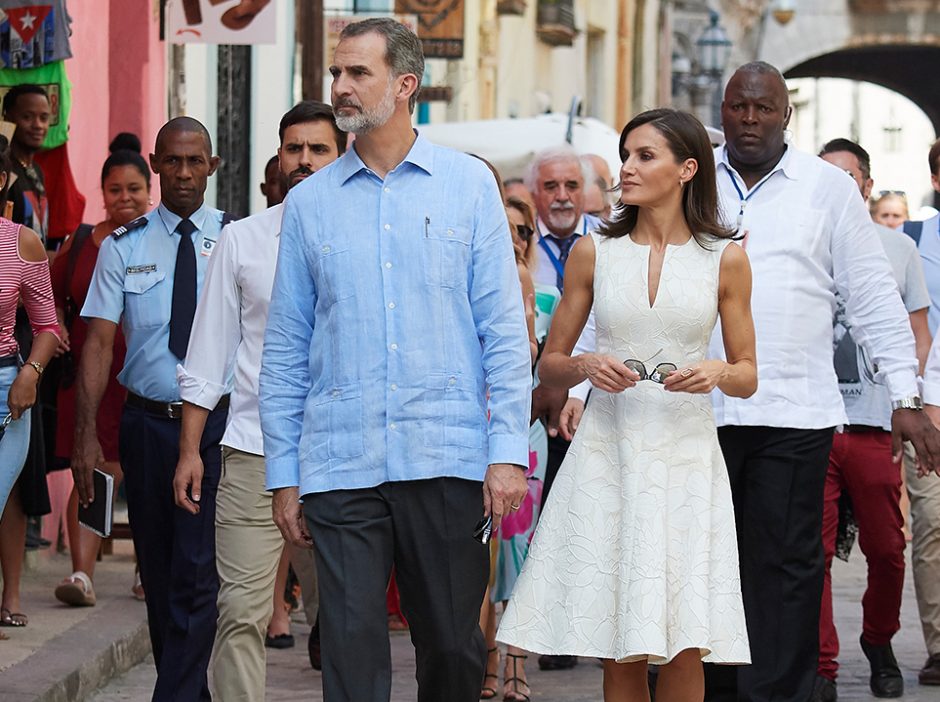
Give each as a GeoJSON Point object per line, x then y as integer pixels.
{"type": "Point", "coordinates": [395, 379]}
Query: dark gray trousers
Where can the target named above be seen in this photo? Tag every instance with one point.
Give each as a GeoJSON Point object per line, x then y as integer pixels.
{"type": "Point", "coordinates": [425, 528]}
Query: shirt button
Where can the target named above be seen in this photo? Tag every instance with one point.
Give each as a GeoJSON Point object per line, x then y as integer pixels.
{"type": "Point", "coordinates": [452, 381]}
{"type": "Point", "coordinates": [388, 264]}
{"type": "Point", "coordinates": [393, 386]}
{"type": "Point", "coordinates": [393, 426]}
{"type": "Point", "coordinates": [394, 347]}
{"type": "Point", "coordinates": [388, 189]}
{"type": "Point", "coordinates": [387, 227]}
{"type": "Point", "coordinates": [391, 305]}
{"type": "Point", "coordinates": [450, 232]}
{"type": "Point", "coordinates": [336, 393]}
{"type": "Point", "coordinates": [325, 249]}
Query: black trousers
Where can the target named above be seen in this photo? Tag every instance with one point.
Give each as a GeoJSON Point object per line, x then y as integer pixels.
{"type": "Point", "coordinates": [557, 449]}
{"type": "Point", "coordinates": [777, 478]}
{"type": "Point", "coordinates": [425, 528]}
{"type": "Point", "coordinates": [175, 550]}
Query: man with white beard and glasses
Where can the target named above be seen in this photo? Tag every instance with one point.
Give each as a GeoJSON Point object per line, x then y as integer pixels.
{"type": "Point", "coordinates": [395, 380]}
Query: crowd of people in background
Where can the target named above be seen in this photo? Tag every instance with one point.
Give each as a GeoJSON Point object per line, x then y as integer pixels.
{"type": "Point", "coordinates": [631, 416]}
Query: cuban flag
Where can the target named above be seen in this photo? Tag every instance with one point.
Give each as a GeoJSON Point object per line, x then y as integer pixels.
{"type": "Point", "coordinates": [27, 35]}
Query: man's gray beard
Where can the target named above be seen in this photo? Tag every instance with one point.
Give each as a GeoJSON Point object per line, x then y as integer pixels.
{"type": "Point", "coordinates": [365, 121]}
{"type": "Point", "coordinates": [562, 220]}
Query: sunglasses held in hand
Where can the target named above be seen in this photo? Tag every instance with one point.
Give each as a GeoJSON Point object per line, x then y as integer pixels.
{"type": "Point", "coordinates": [660, 372]}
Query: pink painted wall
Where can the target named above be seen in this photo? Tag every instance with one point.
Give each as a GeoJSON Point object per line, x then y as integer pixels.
{"type": "Point", "coordinates": [118, 74]}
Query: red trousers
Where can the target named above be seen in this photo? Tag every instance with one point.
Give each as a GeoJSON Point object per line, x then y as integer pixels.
{"type": "Point", "coordinates": [860, 463]}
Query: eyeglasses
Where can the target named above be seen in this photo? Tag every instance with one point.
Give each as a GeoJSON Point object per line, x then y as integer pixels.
{"type": "Point", "coordinates": [4, 424]}
{"type": "Point", "coordinates": [524, 232]}
{"type": "Point", "coordinates": [660, 372]}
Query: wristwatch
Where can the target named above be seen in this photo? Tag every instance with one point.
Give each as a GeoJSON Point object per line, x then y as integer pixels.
{"type": "Point", "coordinates": [912, 403]}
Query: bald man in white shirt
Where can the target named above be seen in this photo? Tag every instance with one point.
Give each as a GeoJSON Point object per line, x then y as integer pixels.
{"type": "Point", "coordinates": [808, 235]}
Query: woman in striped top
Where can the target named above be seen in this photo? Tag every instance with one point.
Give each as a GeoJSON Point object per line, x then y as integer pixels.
{"type": "Point", "coordinates": [24, 277]}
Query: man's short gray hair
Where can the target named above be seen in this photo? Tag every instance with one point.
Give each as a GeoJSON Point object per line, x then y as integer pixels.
{"type": "Point", "coordinates": [403, 52]}
{"type": "Point", "coordinates": [564, 152]}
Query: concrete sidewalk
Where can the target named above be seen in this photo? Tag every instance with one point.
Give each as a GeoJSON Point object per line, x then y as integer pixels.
{"type": "Point", "coordinates": [66, 653]}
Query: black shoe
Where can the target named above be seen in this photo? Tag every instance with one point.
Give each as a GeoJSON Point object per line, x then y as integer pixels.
{"type": "Point", "coordinates": [886, 680]}
{"type": "Point", "coordinates": [313, 646]}
{"type": "Point", "coordinates": [279, 641]}
{"type": "Point", "coordinates": [824, 690]}
{"type": "Point", "coordinates": [557, 662]}
{"type": "Point", "coordinates": [930, 673]}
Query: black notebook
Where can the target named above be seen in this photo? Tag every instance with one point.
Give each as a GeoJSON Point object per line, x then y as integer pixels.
{"type": "Point", "coordinates": [97, 515]}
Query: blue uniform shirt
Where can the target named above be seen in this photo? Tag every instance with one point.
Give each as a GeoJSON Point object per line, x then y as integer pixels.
{"type": "Point", "coordinates": [133, 285]}
{"type": "Point", "coordinates": [396, 345]}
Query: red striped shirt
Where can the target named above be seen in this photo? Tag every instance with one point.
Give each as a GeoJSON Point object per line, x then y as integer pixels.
{"type": "Point", "coordinates": [22, 280]}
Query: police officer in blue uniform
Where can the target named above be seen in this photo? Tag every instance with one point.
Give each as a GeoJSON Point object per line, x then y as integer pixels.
{"type": "Point", "coordinates": [147, 278]}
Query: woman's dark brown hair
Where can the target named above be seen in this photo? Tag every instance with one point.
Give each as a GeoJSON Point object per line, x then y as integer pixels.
{"type": "Point", "coordinates": [686, 138]}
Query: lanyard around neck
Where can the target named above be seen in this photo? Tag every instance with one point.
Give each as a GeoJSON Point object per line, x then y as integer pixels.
{"type": "Point", "coordinates": [744, 199]}
{"type": "Point", "coordinates": [543, 242]}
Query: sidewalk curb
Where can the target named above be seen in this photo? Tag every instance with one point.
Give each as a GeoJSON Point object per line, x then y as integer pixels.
{"type": "Point", "coordinates": [114, 640]}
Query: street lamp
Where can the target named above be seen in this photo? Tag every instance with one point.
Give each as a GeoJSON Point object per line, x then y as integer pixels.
{"type": "Point", "coordinates": [714, 50]}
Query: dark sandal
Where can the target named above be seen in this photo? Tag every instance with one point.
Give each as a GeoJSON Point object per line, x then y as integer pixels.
{"type": "Point", "coordinates": [489, 693]}
{"type": "Point", "coordinates": [8, 618]}
{"type": "Point", "coordinates": [515, 694]}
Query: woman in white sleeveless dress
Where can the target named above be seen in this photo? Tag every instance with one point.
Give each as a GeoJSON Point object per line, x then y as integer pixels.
{"type": "Point", "coordinates": [635, 558]}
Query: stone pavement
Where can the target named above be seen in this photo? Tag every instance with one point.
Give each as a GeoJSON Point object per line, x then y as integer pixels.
{"type": "Point", "coordinates": [65, 653]}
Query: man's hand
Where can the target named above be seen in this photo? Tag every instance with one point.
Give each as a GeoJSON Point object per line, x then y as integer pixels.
{"type": "Point", "coordinates": [547, 404]}
{"type": "Point", "coordinates": [570, 418]}
{"type": "Point", "coordinates": [915, 426]}
{"type": "Point", "coordinates": [188, 481]}
{"type": "Point", "coordinates": [289, 517]}
{"type": "Point", "coordinates": [86, 456]}
{"type": "Point", "coordinates": [504, 488]}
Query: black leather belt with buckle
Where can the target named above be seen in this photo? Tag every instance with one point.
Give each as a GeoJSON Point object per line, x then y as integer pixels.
{"type": "Point", "coordinates": [168, 410]}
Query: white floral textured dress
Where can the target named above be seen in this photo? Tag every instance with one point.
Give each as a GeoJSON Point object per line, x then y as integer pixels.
{"type": "Point", "coordinates": [635, 555]}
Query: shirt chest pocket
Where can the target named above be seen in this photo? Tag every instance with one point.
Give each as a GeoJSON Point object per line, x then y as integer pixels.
{"type": "Point", "coordinates": [146, 300]}
{"type": "Point", "coordinates": [336, 281]}
{"type": "Point", "coordinates": [446, 255]}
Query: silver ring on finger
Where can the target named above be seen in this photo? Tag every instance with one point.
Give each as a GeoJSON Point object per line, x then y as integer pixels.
{"type": "Point", "coordinates": [686, 372]}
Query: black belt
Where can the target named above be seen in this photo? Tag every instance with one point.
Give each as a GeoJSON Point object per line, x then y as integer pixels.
{"type": "Point", "coordinates": [861, 429]}
{"type": "Point", "coordinates": [11, 360]}
{"type": "Point", "coordinates": [169, 410]}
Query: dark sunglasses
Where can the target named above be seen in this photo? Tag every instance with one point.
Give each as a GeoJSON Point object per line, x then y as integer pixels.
{"type": "Point", "coordinates": [660, 372]}
{"type": "Point", "coordinates": [524, 232]}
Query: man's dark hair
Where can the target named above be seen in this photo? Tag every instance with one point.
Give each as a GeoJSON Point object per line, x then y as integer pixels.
{"type": "Point", "coordinates": [184, 124]}
{"type": "Point", "coordinates": [762, 68]}
{"type": "Point", "coordinates": [312, 111]}
{"type": "Point", "coordinates": [841, 144]}
{"type": "Point", "coordinates": [273, 161]}
{"type": "Point", "coordinates": [403, 52]}
{"type": "Point", "coordinates": [513, 181]}
{"type": "Point", "coordinates": [934, 158]}
{"type": "Point", "coordinates": [14, 93]}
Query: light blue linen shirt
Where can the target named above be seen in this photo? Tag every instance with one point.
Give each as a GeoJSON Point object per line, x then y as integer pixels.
{"type": "Point", "coordinates": [396, 312]}
{"type": "Point", "coordinates": [133, 285]}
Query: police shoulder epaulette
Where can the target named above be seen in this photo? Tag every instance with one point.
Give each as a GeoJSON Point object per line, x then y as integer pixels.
{"type": "Point", "coordinates": [129, 227]}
